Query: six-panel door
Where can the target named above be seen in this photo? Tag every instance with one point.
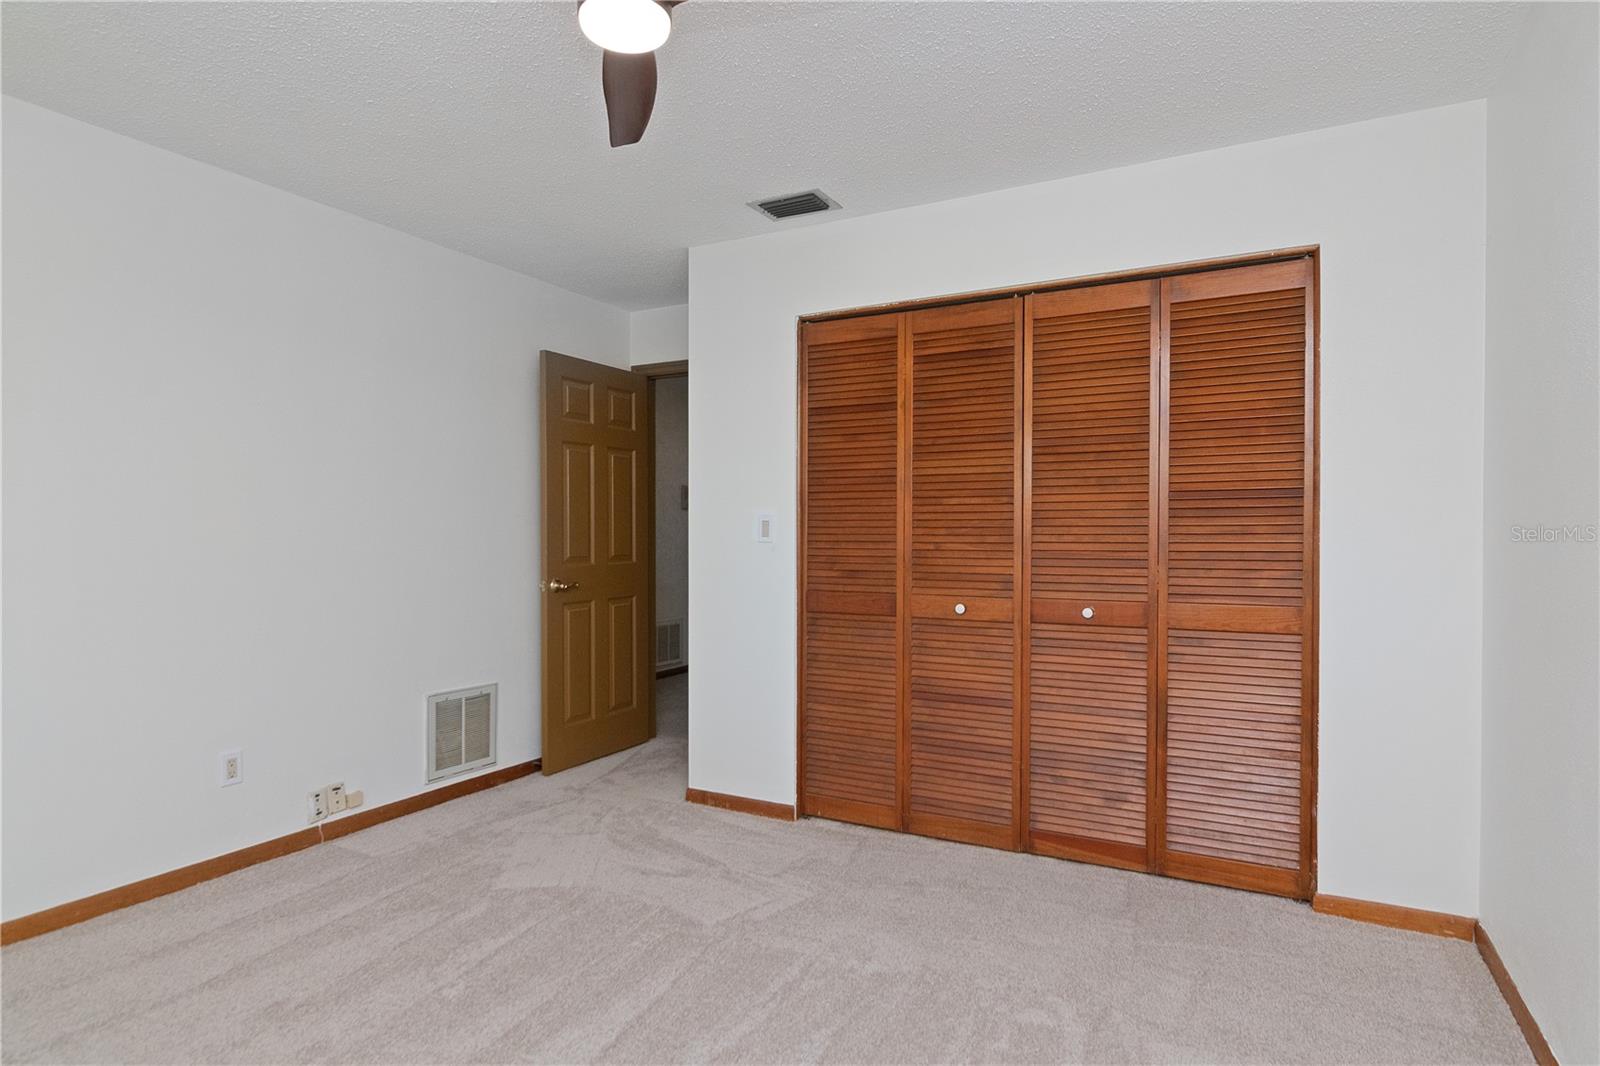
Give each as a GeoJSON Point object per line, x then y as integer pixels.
{"type": "Point", "coordinates": [595, 593]}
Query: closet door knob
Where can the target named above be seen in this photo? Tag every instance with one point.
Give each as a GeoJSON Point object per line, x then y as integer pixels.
{"type": "Point", "coordinates": [1088, 612]}
{"type": "Point", "coordinates": [961, 608]}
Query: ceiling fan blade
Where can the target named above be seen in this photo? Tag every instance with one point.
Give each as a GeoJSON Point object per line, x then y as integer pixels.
{"type": "Point", "coordinates": [630, 86]}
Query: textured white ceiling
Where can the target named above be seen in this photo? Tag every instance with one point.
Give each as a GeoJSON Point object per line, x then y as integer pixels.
{"type": "Point", "coordinates": [481, 126]}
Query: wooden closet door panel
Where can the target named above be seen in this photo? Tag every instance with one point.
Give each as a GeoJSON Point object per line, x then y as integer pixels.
{"type": "Point", "coordinates": [965, 469]}
{"type": "Point", "coordinates": [849, 743]}
{"type": "Point", "coordinates": [1240, 577]}
{"type": "Point", "coordinates": [1091, 550]}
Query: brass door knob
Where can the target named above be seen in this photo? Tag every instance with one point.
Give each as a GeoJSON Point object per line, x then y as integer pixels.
{"type": "Point", "coordinates": [554, 585]}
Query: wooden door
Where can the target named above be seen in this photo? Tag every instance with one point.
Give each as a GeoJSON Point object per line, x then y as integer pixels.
{"type": "Point", "coordinates": [1240, 562]}
{"type": "Point", "coordinates": [849, 570]}
{"type": "Point", "coordinates": [595, 593]}
{"type": "Point", "coordinates": [962, 716]}
{"type": "Point", "coordinates": [1093, 573]}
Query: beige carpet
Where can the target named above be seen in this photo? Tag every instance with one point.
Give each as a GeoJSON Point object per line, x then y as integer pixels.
{"type": "Point", "coordinates": [595, 916]}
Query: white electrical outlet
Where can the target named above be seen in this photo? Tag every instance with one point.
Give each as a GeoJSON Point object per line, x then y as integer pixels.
{"type": "Point", "coordinates": [336, 798]}
{"type": "Point", "coordinates": [230, 768]}
{"type": "Point", "coordinates": [317, 805]}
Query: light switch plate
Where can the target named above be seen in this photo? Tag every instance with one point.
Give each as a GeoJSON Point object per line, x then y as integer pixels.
{"type": "Point", "coordinates": [765, 524]}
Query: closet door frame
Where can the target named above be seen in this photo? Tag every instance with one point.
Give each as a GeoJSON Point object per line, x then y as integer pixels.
{"type": "Point", "coordinates": [1305, 885]}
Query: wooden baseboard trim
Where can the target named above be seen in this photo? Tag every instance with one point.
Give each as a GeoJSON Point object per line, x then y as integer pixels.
{"type": "Point", "coordinates": [671, 671]}
{"type": "Point", "coordinates": [1519, 1009]}
{"type": "Point", "coordinates": [358, 820]}
{"type": "Point", "coordinates": [1434, 923]}
{"type": "Point", "coordinates": [112, 899]}
{"type": "Point", "coordinates": [1459, 928]}
{"type": "Point", "coordinates": [764, 808]}
{"type": "Point", "coordinates": [81, 910]}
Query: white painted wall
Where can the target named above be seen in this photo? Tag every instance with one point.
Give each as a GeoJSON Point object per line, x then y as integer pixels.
{"type": "Point", "coordinates": [672, 520]}
{"type": "Point", "coordinates": [659, 335]}
{"type": "Point", "coordinates": [270, 478]}
{"type": "Point", "coordinates": [1541, 729]}
{"type": "Point", "coordinates": [1398, 207]}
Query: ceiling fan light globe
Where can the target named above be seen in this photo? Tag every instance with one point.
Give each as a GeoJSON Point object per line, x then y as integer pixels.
{"type": "Point", "coordinates": [627, 26]}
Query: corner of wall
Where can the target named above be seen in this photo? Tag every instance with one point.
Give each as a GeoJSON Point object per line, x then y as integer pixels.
{"type": "Point", "coordinates": [658, 335]}
{"type": "Point", "coordinates": [1540, 743]}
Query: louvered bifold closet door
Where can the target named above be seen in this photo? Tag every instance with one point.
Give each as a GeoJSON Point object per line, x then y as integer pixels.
{"type": "Point", "coordinates": [851, 636]}
{"type": "Point", "coordinates": [1092, 553]}
{"type": "Point", "coordinates": [966, 370]}
{"type": "Point", "coordinates": [1240, 568]}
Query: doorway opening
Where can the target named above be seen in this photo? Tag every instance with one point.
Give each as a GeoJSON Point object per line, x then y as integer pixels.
{"type": "Point", "coordinates": [669, 403]}
{"type": "Point", "coordinates": [604, 637]}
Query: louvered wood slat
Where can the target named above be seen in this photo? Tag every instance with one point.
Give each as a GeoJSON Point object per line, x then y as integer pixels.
{"type": "Point", "coordinates": [963, 442]}
{"type": "Point", "coordinates": [850, 709]}
{"type": "Point", "coordinates": [1233, 746]}
{"type": "Point", "coordinates": [1090, 546]}
{"type": "Point", "coordinates": [849, 739]}
{"type": "Point", "coordinates": [1089, 708]}
{"type": "Point", "coordinates": [961, 720]}
{"type": "Point", "coordinates": [964, 463]}
{"type": "Point", "coordinates": [851, 461]}
{"type": "Point", "coordinates": [1239, 574]}
{"type": "Point", "coordinates": [1236, 467]}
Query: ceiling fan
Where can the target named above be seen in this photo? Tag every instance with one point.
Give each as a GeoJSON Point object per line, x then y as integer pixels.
{"type": "Point", "coordinates": [630, 31]}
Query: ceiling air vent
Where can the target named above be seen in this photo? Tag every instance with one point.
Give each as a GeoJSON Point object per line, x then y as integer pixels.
{"type": "Point", "coordinates": [801, 203]}
{"type": "Point", "coordinates": [461, 730]}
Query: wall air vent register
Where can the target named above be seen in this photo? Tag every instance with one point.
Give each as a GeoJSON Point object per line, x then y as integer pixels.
{"type": "Point", "coordinates": [461, 730]}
